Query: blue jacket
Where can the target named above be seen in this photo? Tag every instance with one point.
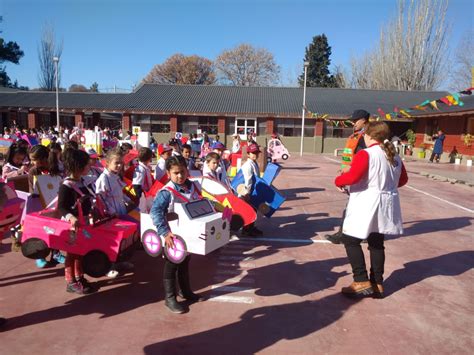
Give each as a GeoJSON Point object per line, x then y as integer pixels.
{"type": "Point", "coordinates": [438, 146]}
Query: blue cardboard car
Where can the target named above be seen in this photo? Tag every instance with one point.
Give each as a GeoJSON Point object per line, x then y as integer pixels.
{"type": "Point", "coordinates": [265, 197]}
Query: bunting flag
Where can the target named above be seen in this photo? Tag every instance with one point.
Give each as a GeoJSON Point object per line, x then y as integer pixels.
{"type": "Point", "coordinates": [453, 99]}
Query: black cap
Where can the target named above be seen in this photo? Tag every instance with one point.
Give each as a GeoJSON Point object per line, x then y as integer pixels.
{"type": "Point", "coordinates": [360, 114]}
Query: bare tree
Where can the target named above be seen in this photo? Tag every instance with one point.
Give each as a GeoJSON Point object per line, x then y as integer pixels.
{"type": "Point", "coordinates": [412, 50]}
{"type": "Point", "coordinates": [180, 69]}
{"type": "Point", "coordinates": [341, 77]}
{"type": "Point", "coordinates": [461, 76]}
{"type": "Point", "coordinates": [47, 50]}
{"type": "Point", "coordinates": [245, 65]}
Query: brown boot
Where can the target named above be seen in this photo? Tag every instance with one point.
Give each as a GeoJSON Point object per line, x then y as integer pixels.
{"type": "Point", "coordinates": [378, 290]}
{"type": "Point", "coordinates": [358, 289]}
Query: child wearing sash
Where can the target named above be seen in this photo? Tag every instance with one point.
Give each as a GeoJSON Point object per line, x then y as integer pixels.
{"type": "Point", "coordinates": [178, 190]}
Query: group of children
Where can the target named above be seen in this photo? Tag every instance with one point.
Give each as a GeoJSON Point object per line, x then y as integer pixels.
{"type": "Point", "coordinates": [83, 179]}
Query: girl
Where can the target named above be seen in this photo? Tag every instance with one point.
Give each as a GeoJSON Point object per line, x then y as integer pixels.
{"type": "Point", "coordinates": [374, 207]}
{"type": "Point", "coordinates": [178, 190]}
{"type": "Point", "coordinates": [110, 186]}
{"type": "Point", "coordinates": [164, 150]}
{"type": "Point", "coordinates": [43, 162]}
{"type": "Point", "coordinates": [250, 171]}
{"type": "Point", "coordinates": [73, 189]}
{"type": "Point", "coordinates": [15, 158]}
{"type": "Point", "coordinates": [55, 159]}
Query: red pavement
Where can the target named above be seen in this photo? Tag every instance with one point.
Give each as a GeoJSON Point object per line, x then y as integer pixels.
{"type": "Point", "coordinates": [269, 295]}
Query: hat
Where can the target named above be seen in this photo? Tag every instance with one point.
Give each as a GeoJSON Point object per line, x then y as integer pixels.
{"type": "Point", "coordinates": [253, 148]}
{"type": "Point", "coordinates": [92, 153]}
{"type": "Point", "coordinates": [164, 148]}
{"type": "Point", "coordinates": [359, 114]}
{"type": "Point", "coordinates": [218, 145]}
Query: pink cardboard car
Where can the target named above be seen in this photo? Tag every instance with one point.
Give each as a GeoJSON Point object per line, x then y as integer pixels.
{"type": "Point", "coordinates": [11, 209]}
{"type": "Point", "coordinates": [276, 150]}
{"type": "Point", "coordinates": [101, 244]}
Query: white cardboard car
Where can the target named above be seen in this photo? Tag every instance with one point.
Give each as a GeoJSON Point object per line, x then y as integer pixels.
{"type": "Point", "coordinates": [202, 229]}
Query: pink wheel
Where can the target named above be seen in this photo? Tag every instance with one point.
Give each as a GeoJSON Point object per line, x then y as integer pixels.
{"type": "Point", "coordinates": [177, 254]}
{"type": "Point", "coordinates": [152, 243]}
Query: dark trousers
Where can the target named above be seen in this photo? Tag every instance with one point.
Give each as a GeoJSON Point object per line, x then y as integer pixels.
{"type": "Point", "coordinates": [171, 269]}
{"type": "Point", "coordinates": [434, 155]}
{"type": "Point", "coordinates": [357, 260]}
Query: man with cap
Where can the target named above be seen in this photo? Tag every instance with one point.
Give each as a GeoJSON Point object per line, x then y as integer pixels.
{"type": "Point", "coordinates": [354, 143]}
{"type": "Point", "coordinates": [165, 151]}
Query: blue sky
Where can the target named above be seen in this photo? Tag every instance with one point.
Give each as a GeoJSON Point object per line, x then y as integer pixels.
{"type": "Point", "coordinates": [117, 42]}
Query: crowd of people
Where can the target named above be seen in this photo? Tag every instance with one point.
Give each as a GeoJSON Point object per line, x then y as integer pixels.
{"type": "Point", "coordinates": [371, 174]}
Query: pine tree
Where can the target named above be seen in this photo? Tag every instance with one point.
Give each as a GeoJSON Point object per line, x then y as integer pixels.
{"type": "Point", "coordinates": [317, 54]}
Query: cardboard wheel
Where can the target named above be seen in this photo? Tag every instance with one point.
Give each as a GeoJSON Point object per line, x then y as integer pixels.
{"type": "Point", "coordinates": [35, 248]}
{"type": "Point", "coordinates": [263, 208]}
{"type": "Point", "coordinates": [177, 254]}
{"type": "Point", "coordinates": [241, 190]}
{"type": "Point", "coordinates": [96, 263]}
{"type": "Point", "coordinates": [152, 243]}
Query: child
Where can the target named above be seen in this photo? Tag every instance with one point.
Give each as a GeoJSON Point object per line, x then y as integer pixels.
{"type": "Point", "coordinates": [110, 186]}
{"type": "Point", "coordinates": [14, 166]}
{"type": "Point", "coordinates": [164, 150]}
{"type": "Point", "coordinates": [55, 159]}
{"type": "Point", "coordinates": [210, 167]}
{"type": "Point", "coordinates": [178, 190]}
{"type": "Point", "coordinates": [219, 148]}
{"type": "Point", "coordinates": [43, 162]}
{"type": "Point", "coordinates": [142, 178]}
{"type": "Point", "coordinates": [190, 161]}
{"type": "Point", "coordinates": [176, 147]}
{"type": "Point", "coordinates": [72, 189]}
{"type": "Point", "coordinates": [250, 172]}
{"type": "Point", "coordinates": [236, 144]}
{"type": "Point", "coordinates": [374, 209]}
{"type": "Point", "coordinates": [96, 168]}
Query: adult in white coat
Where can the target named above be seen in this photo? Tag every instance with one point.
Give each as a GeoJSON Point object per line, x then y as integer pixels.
{"type": "Point", "coordinates": [374, 207]}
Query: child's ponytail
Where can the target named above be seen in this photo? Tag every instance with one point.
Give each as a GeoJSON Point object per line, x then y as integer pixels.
{"type": "Point", "coordinates": [380, 132]}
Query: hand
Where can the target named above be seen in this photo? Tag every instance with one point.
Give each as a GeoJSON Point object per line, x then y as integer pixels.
{"type": "Point", "coordinates": [341, 189]}
{"type": "Point", "coordinates": [22, 169]}
{"type": "Point", "coordinates": [169, 240]}
{"type": "Point", "coordinates": [74, 222]}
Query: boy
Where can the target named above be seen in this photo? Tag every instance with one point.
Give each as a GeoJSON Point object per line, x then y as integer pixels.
{"type": "Point", "coordinates": [212, 164]}
{"type": "Point", "coordinates": [190, 161]}
{"type": "Point", "coordinates": [142, 179]}
{"type": "Point", "coordinates": [250, 172]}
{"type": "Point", "coordinates": [219, 148]}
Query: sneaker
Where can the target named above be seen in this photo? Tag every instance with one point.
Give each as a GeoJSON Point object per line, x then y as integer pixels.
{"type": "Point", "coordinates": [378, 290]}
{"type": "Point", "coordinates": [59, 257]}
{"type": "Point", "coordinates": [41, 263]}
{"type": "Point", "coordinates": [75, 287]}
{"type": "Point", "coordinates": [112, 274]}
{"type": "Point", "coordinates": [86, 285]}
{"type": "Point", "coordinates": [363, 288]}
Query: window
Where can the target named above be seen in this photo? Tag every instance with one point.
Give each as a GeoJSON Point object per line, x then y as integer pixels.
{"type": "Point", "coordinates": [208, 124]}
{"type": "Point", "coordinates": [331, 131]}
{"type": "Point", "coordinates": [244, 126]}
{"type": "Point", "coordinates": [188, 124]}
{"type": "Point", "coordinates": [153, 123]}
{"type": "Point", "coordinates": [292, 127]}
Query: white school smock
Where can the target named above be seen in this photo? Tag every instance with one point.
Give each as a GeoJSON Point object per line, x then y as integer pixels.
{"type": "Point", "coordinates": [250, 171]}
{"type": "Point", "coordinates": [142, 176]}
{"type": "Point", "coordinates": [160, 169]}
{"type": "Point", "coordinates": [110, 187]}
{"type": "Point", "coordinates": [374, 202]}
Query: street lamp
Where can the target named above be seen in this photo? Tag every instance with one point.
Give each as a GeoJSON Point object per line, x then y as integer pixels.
{"type": "Point", "coordinates": [306, 64]}
{"type": "Point", "coordinates": [56, 62]}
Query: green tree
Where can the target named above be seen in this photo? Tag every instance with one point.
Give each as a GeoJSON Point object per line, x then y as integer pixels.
{"type": "Point", "coordinates": [9, 52]}
{"type": "Point", "coordinates": [317, 54]}
{"type": "Point", "coordinates": [94, 87]}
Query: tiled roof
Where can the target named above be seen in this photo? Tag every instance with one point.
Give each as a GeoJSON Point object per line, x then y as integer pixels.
{"type": "Point", "coordinates": [232, 100]}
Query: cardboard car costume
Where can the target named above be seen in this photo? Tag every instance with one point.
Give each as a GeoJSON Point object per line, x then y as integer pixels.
{"type": "Point", "coordinates": [11, 209]}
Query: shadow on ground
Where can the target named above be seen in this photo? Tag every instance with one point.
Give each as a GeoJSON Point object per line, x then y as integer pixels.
{"type": "Point", "coordinates": [433, 225]}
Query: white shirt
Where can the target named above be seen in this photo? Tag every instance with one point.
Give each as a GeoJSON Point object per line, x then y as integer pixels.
{"type": "Point", "coordinates": [142, 176]}
{"type": "Point", "coordinates": [250, 171]}
{"type": "Point", "coordinates": [160, 169]}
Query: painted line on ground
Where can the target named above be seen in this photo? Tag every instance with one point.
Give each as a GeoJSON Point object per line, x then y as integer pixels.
{"type": "Point", "coordinates": [225, 288]}
{"type": "Point", "coordinates": [234, 280]}
{"type": "Point", "coordinates": [441, 199]}
{"type": "Point", "coordinates": [284, 240]}
{"type": "Point", "coordinates": [231, 299]}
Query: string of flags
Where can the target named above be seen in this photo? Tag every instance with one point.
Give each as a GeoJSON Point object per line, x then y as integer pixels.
{"type": "Point", "coordinates": [453, 99]}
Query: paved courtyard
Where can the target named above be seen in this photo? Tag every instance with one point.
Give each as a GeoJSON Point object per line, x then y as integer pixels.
{"type": "Point", "coordinates": [278, 294]}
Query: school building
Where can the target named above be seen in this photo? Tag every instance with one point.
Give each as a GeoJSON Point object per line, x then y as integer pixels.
{"type": "Point", "coordinates": [226, 110]}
